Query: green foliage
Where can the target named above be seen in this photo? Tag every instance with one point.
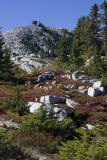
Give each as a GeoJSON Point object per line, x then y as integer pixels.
{"type": "Point", "coordinates": [7, 66]}
{"type": "Point", "coordinates": [18, 104]}
{"type": "Point", "coordinates": [90, 39]}
{"type": "Point", "coordinates": [92, 145]}
{"type": "Point", "coordinates": [7, 103]}
{"type": "Point", "coordinates": [5, 63]}
{"type": "Point", "coordinates": [8, 150]}
{"type": "Point", "coordinates": [40, 122]}
{"type": "Point", "coordinates": [104, 27]}
{"type": "Point", "coordinates": [5, 143]}
{"type": "Point", "coordinates": [63, 49]}
{"type": "Point", "coordinates": [96, 66]}
{"type": "Point", "coordinates": [60, 85]}
{"type": "Point", "coordinates": [33, 47]}
{"type": "Point", "coordinates": [44, 132]}
{"type": "Point", "coordinates": [35, 72]}
{"type": "Point", "coordinates": [50, 146]}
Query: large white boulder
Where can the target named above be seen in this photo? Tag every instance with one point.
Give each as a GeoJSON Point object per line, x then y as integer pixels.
{"type": "Point", "coordinates": [34, 106]}
{"type": "Point", "coordinates": [98, 84]}
{"type": "Point", "coordinates": [93, 92]}
{"type": "Point", "coordinates": [52, 99]}
{"type": "Point", "coordinates": [71, 103]}
{"type": "Point", "coordinates": [77, 74]}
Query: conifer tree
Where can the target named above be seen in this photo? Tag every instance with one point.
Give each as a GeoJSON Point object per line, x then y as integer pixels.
{"type": "Point", "coordinates": [1, 55]}
{"type": "Point", "coordinates": [5, 62]}
{"type": "Point", "coordinates": [96, 66]}
{"type": "Point", "coordinates": [104, 26]}
{"type": "Point", "coordinates": [78, 42]}
{"type": "Point", "coordinates": [63, 49]}
{"type": "Point", "coordinates": [92, 31]}
{"type": "Point", "coordinates": [7, 65]}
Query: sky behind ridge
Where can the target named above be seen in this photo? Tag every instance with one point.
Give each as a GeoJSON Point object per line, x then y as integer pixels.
{"type": "Point", "coordinates": [52, 13]}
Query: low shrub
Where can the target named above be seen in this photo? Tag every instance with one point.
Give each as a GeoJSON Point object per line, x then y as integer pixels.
{"type": "Point", "coordinates": [6, 103]}
{"type": "Point", "coordinates": [45, 132]}
{"type": "Point", "coordinates": [60, 86]}
{"type": "Point", "coordinates": [35, 72]}
{"type": "Point", "coordinates": [40, 123]}
{"type": "Point", "coordinates": [7, 149]}
{"type": "Point", "coordinates": [18, 104]}
{"type": "Point", "coordinates": [92, 145]}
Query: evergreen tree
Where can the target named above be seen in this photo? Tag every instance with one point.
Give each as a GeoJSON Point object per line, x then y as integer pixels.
{"type": "Point", "coordinates": [104, 26]}
{"type": "Point", "coordinates": [92, 31]}
{"type": "Point", "coordinates": [1, 55]}
{"type": "Point", "coordinates": [78, 42]}
{"type": "Point", "coordinates": [63, 49]}
{"type": "Point", "coordinates": [96, 66]}
{"type": "Point", "coordinates": [5, 62]}
{"type": "Point", "coordinates": [7, 65]}
{"type": "Point", "coordinates": [75, 58]}
{"type": "Point", "coordinates": [34, 22]}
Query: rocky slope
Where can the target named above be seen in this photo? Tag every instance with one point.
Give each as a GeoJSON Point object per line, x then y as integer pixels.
{"type": "Point", "coordinates": [32, 41]}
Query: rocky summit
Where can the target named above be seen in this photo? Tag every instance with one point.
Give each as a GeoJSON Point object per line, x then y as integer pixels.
{"type": "Point", "coordinates": [26, 43]}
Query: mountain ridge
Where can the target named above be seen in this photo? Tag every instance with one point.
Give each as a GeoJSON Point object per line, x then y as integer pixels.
{"type": "Point", "coordinates": [38, 37]}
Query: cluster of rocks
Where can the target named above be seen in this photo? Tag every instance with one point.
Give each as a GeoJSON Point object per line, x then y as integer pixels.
{"type": "Point", "coordinates": [28, 63]}
{"type": "Point", "coordinates": [97, 88]}
{"type": "Point", "coordinates": [83, 77]}
{"type": "Point", "coordinates": [58, 112]}
{"type": "Point", "coordinates": [51, 102]}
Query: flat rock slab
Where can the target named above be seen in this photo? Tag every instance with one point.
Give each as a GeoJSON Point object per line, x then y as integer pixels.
{"type": "Point", "coordinates": [7, 124]}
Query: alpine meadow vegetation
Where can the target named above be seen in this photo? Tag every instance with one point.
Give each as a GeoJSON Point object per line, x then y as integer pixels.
{"type": "Point", "coordinates": [39, 132]}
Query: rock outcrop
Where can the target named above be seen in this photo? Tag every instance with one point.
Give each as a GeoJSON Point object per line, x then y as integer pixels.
{"type": "Point", "coordinates": [97, 89]}
{"type": "Point", "coordinates": [83, 77]}
{"type": "Point", "coordinates": [52, 99]}
{"type": "Point", "coordinates": [58, 112]}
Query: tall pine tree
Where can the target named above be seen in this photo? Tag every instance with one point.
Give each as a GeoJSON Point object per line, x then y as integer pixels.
{"type": "Point", "coordinates": [63, 49]}
{"type": "Point", "coordinates": [78, 42]}
{"type": "Point", "coordinates": [104, 26]}
{"type": "Point", "coordinates": [5, 62]}
{"type": "Point", "coordinates": [92, 32]}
